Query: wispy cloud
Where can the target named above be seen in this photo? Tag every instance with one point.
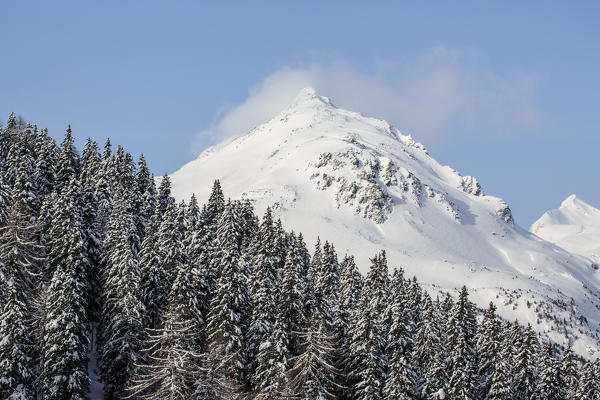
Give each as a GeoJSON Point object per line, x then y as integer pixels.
{"type": "Point", "coordinates": [442, 94]}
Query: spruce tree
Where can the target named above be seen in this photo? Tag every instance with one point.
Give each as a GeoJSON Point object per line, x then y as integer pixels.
{"type": "Point", "coordinates": [313, 373]}
{"type": "Point", "coordinates": [264, 286]}
{"type": "Point", "coordinates": [121, 332]}
{"type": "Point", "coordinates": [550, 386]}
{"type": "Point", "coordinates": [172, 359]}
{"type": "Point", "coordinates": [589, 384]}
{"type": "Point", "coordinates": [460, 342]}
{"type": "Point", "coordinates": [228, 316]}
{"type": "Point", "coordinates": [525, 366]}
{"type": "Point", "coordinates": [69, 163]}
{"type": "Point", "coordinates": [488, 341]}
{"type": "Point", "coordinates": [428, 352]}
{"type": "Point", "coordinates": [16, 347]}
{"type": "Point", "coordinates": [65, 347]}
{"type": "Point", "coordinates": [569, 372]}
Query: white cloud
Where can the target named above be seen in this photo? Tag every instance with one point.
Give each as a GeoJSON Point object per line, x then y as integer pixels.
{"type": "Point", "coordinates": [444, 93]}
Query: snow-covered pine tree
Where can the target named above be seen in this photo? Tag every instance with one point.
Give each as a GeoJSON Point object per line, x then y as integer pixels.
{"type": "Point", "coordinates": [272, 361]}
{"type": "Point", "coordinates": [401, 381]}
{"type": "Point", "coordinates": [172, 357]}
{"type": "Point", "coordinates": [228, 316]}
{"type": "Point", "coordinates": [264, 288]}
{"type": "Point", "coordinates": [501, 382]}
{"type": "Point", "coordinates": [428, 352]}
{"type": "Point", "coordinates": [146, 189]}
{"type": "Point", "coordinates": [16, 346]}
{"type": "Point", "coordinates": [66, 331]}
{"type": "Point", "coordinates": [121, 326]}
{"type": "Point", "coordinates": [313, 375]}
{"type": "Point", "coordinates": [45, 165]}
{"type": "Point", "coordinates": [589, 384]}
{"type": "Point", "coordinates": [368, 336]}
{"type": "Point", "coordinates": [5, 201]}
{"type": "Point", "coordinates": [550, 385]}
{"type": "Point", "coordinates": [488, 342]}
{"type": "Point", "coordinates": [291, 299]}
{"type": "Point", "coordinates": [170, 249]}
{"type": "Point", "coordinates": [569, 372]}
{"type": "Point", "coordinates": [164, 198]}
{"type": "Point", "coordinates": [460, 343]}
{"type": "Point", "coordinates": [153, 276]}
{"type": "Point", "coordinates": [525, 367]}
{"type": "Point", "coordinates": [20, 253]}
{"type": "Point", "coordinates": [69, 163]}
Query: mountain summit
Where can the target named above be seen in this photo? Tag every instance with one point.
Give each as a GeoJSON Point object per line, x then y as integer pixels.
{"type": "Point", "coordinates": [362, 184]}
{"type": "Point", "coordinates": [574, 226]}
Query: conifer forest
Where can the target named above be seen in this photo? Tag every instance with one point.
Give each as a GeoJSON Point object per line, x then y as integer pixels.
{"type": "Point", "coordinates": [110, 289]}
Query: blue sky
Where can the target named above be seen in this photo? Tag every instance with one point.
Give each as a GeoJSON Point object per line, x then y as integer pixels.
{"type": "Point", "coordinates": [506, 91]}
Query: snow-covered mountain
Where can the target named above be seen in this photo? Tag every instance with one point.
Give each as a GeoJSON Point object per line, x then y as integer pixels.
{"type": "Point", "coordinates": [361, 184]}
{"type": "Point", "coordinates": [574, 226]}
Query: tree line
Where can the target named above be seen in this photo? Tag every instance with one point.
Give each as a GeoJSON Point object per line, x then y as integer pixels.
{"type": "Point", "coordinates": [183, 301]}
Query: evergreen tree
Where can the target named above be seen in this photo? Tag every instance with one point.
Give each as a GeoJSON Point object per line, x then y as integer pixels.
{"type": "Point", "coordinates": [428, 353]}
{"type": "Point", "coordinates": [569, 372]}
{"type": "Point", "coordinates": [550, 387]}
{"type": "Point", "coordinates": [172, 358]}
{"type": "Point", "coordinates": [121, 333]}
{"type": "Point", "coordinates": [460, 342]}
{"type": "Point", "coordinates": [69, 163]}
{"type": "Point", "coordinates": [292, 301]}
{"type": "Point", "coordinates": [264, 286]}
{"type": "Point", "coordinates": [525, 367]}
{"type": "Point", "coordinates": [401, 382]}
{"type": "Point", "coordinates": [164, 195]}
{"type": "Point", "coordinates": [313, 375]}
{"type": "Point", "coordinates": [589, 384]}
{"type": "Point", "coordinates": [65, 347]}
{"type": "Point", "coordinates": [272, 362]}
{"type": "Point", "coordinates": [369, 336]}
{"type": "Point", "coordinates": [488, 341]}
{"type": "Point", "coordinates": [228, 314]}
{"type": "Point", "coordinates": [16, 347]}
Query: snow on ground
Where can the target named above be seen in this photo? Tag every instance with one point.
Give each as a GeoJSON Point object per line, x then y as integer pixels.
{"type": "Point", "coordinates": [361, 184]}
{"type": "Point", "coordinates": [575, 227]}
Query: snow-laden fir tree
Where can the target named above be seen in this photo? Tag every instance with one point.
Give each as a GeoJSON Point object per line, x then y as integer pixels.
{"type": "Point", "coordinates": [350, 296]}
{"type": "Point", "coordinates": [525, 372]}
{"type": "Point", "coordinates": [428, 353]}
{"type": "Point", "coordinates": [66, 331]}
{"type": "Point", "coordinates": [313, 375]}
{"type": "Point", "coordinates": [121, 326]}
{"type": "Point", "coordinates": [146, 200]}
{"type": "Point", "coordinates": [550, 385]}
{"type": "Point", "coordinates": [501, 382]}
{"type": "Point", "coordinates": [589, 384]}
{"type": "Point", "coordinates": [569, 372]}
{"type": "Point", "coordinates": [291, 299]}
{"type": "Point", "coordinates": [264, 288]}
{"type": "Point", "coordinates": [164, 198]}
{"type": "Point", "coordinates": [460, 344]}
{"type": "Point", "coordinates": [401, 381]}
{"type": "Point", "coordinates": [272, 361]}
{"type": "Point", "coordinates": [69, 163]}
{"type": "Point", "coordinates": [16, 346]}
{"type": "Point", "coordinates": [228, 316]}
{"type": "Point", "coordinates": [172, 360]}
{"type": "Point", "coordinates": [368, 345]}
{"type": "Point", "coordinates": [488, 342]}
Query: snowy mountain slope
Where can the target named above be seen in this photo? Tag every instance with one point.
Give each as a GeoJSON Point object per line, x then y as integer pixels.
{"type": "Point", "coordinates": [361, 184]}
{"type": "Point", "coordinates": [574, 226]}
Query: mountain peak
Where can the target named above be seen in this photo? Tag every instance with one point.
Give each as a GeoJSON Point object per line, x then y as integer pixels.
{"type": "Point", "coordinates": [307, 97]}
